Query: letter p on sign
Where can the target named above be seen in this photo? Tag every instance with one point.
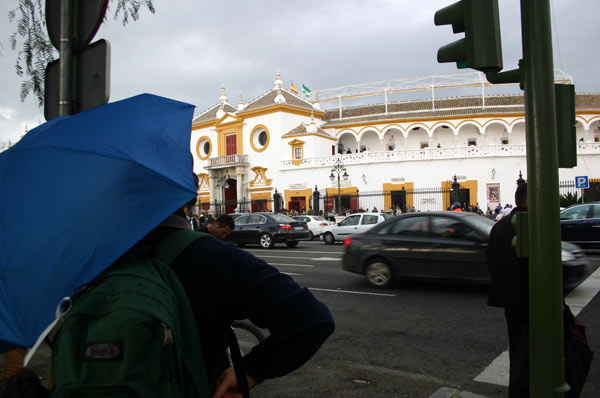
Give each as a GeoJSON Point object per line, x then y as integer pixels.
{"type": "Point", "coordinates": [582, 182]}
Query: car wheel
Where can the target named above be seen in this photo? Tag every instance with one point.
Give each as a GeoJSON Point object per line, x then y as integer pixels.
{"type": "Point", "coordinates": [311, 236]}
{"type": "Point", "coordinates": [266, 241]}
{"type": "Point", "coordinates": [292, 243]}
{"type": "Point", "coordinates": [379, 273]}
{"type": "Point", "coordinates": [328, 238]}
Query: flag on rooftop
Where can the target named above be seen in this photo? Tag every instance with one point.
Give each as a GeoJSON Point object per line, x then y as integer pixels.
{"type": "Point", "coordinates": [305, 90]}
{"type": "Point", "coordinates": [293, 88]}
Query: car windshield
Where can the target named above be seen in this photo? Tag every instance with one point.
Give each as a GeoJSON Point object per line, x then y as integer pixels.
{"type": "Point", "coordinates": [319, 219]}
{"type": "Point", "coordinates": [480, 223]}
{"type": "Point", "coordinates": [278, 217]}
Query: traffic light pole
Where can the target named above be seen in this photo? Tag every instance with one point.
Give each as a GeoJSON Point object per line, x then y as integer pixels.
{"type": "Point", "coordinates": [65, 93]}
{"type": "Point", "coordinates": [545, 276]}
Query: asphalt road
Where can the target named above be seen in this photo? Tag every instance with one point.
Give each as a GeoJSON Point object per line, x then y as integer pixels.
{"type": "Point", "coordinates": [413, 340]}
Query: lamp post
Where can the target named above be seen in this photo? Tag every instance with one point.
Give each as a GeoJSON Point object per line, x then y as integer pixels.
{"type": "Point", "coordinates": [338, 167]}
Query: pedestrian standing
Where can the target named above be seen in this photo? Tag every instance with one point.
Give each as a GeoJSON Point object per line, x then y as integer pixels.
{"type": "Point", "coordinates": [509, 289]}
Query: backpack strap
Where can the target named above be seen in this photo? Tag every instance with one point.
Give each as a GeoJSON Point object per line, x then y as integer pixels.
{"type": "Point", "coordinates": [170, 247]}
{"type": "Point", "coordinates": [165, 252]}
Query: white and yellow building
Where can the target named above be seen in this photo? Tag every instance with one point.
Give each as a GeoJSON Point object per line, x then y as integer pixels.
{"type": "Point", "coordinates": [285, 142]}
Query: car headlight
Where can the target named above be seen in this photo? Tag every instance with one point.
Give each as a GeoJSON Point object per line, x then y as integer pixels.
{"type": "Point", "coordinates": [567, 255]}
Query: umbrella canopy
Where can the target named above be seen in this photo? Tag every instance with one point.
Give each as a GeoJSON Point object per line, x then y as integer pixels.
{"type": "Point", "coordinates": [76, 193]}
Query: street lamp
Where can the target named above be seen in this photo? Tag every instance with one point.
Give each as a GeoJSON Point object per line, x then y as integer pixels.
{"type": "Point", "coordinates": [338, 167]}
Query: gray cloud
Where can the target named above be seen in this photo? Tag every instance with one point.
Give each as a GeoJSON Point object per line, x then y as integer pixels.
{"type": "Point", "coordinates": [189, 49]}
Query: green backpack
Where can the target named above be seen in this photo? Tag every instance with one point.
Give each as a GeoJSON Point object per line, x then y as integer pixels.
{"type": "Point", "coordinates": [131, 332]}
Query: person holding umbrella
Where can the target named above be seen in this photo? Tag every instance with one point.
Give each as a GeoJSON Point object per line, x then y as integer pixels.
{"type": "Point", "coordinates": [115, 179]}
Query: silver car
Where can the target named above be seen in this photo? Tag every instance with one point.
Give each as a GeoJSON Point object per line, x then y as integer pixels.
{"type": "Point", "coordinates": [352, 225]}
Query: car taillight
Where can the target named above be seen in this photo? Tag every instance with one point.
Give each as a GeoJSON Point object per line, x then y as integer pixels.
{"type": "Point", "coordinates": [323, 224]}
{"type": "Point", "coordinates": [285, 227]}
{"type": "Point", "coordinates": [348, 241]}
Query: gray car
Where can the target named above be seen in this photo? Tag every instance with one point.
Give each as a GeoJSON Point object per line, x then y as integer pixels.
{"type": "Point", "coordinates": [438, 245]}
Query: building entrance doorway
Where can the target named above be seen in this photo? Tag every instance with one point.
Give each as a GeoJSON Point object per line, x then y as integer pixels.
{"type": "Point", "coordinates": [399, 200]}
{"type": "Point", "coordinates": [297, 203]}
{"type": "Point", "coordinates": [463, 196]}
{"type": "Point", "coordinates": [231, 196]}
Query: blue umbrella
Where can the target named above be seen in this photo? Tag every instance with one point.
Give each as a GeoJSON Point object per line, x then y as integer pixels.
{"type": "Point", "coordinates": [76, 193]}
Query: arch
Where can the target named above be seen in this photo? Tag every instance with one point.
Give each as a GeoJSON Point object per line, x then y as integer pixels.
{"type": "Point", "coordinates": [417, 127]}
{"type": "Point", "coordinates": [418, 137]}
{"type": "Point", "coordinates": [389, 127]}
{"type": "Point", "coordinates": [366, 130]}
{"type": "Point", "coordinates": [516, 122]}
{"type": "Point", "coordinates": [392, 137]}
{"type": "Point", "coordinates": [587, 124]}
{"type": "Point", "coordinates": [346, 131]}
{"type": "Point", "coordinates": [442, 134]}
{"type": "Point", "coordinates": [347, 140]}
{"type": "Point", "coordinates": [469, 132]}
{"type": "Point", "coordinates": [465, 123]}
{"type": "Point", "coordinates": [445, 125]}
{"type": "Point", "coordinates": [494, 122]}
{"type": "Point", "coordinates": [369, 140]}
{"type": "Point", "coordinates": [495, 132]}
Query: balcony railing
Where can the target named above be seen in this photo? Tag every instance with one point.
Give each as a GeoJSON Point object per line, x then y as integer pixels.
{"type": "Point", "coordinates": [474, 151]}
{"type": "Point", "coordinates": [227, 161]}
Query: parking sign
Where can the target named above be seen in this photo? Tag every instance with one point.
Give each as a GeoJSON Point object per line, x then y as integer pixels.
{"type": "Point", "coordinates": [582, 182]}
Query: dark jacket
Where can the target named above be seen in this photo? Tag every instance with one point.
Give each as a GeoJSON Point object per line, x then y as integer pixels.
{"type": "Point", "coordinates": [509, 274]}
{"type": "Point", "coordinates": [225, 283]}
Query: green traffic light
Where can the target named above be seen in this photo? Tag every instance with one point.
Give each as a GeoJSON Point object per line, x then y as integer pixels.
{"type": "Point", "coordinates": [481, 48]}
{"type": "Point", "coordinates": [462, 65]}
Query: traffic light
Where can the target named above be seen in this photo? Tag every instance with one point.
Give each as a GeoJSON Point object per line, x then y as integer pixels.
{"type": "Point", "coordinates": [481, 48]}
{"type": "Point", "coordinates": [564, 97]}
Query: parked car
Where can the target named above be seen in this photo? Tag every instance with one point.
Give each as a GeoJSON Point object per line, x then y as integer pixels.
{"type": "Point", "coordinates": [315, 224]}
{"type": "Point", "coordinates": [351, 225]}
{"type": "Point", "coordinates": [438, 245]}
{"type": "Point", "coordinates": [580, 224]}
{"type": "Point", "coordinates": [266, 229]}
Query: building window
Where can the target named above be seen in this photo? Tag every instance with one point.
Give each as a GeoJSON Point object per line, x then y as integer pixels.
{"type": "Point", "coordinates": [259, 139]}
{"type": "Point", "coordinates": [298, 152]}
{"type": "Point", "coordinates": [262, 138]}
{"type": "Point", "coordinates": [203, 148]}
{"type": "Point", "coordinates": [231, 144]}
{"type": "Point", "coordinates": [424, 144]}
{"type": "Point", "coordinates": [471, 142]}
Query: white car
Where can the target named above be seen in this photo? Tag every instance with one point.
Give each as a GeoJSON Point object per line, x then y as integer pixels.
{"type": "Point", "coordinates": [315, 224]}
{"type": "Point", "coordinates": [352, 225]}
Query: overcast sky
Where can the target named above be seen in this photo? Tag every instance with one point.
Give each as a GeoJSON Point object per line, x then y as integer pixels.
{"type": "Point", "coordinates": [188, 49]}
